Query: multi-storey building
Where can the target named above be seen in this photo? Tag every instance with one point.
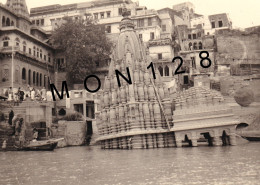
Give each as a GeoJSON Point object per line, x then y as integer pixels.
{"type": "Point", "coordinates": [25, 56]}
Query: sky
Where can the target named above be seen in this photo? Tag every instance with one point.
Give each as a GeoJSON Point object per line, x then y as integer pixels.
{"type": "Point", "coordinates": [243, 13]}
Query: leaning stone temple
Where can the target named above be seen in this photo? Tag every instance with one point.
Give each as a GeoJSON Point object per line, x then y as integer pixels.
{"type": "Point", "coordinates": [141, 114]}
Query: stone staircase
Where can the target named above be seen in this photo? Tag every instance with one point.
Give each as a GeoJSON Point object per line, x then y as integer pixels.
{"type": "Point", "coordinates": [5, 132]}
{"type": "Point", "coordinates": [5, 129]}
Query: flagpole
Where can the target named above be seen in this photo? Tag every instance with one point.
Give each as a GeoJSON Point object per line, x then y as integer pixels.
{"type": "Point", "coordinates": [12, 67]}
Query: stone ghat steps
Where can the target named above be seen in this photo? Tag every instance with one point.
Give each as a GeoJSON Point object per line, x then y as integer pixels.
{"type": "Point", "coordinates": [5, 136]}
{"type": "Point", "coordinates": [132, 133]}
{"type": "Point", "coordinates": [165, 140]}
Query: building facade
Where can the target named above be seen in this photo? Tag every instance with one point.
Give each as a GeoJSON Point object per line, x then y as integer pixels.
{"type": "Point", "coordinates": [25, 56]}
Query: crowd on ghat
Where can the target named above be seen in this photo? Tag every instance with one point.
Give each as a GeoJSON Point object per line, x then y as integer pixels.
{"type": "Point", "coordinates": [20, 94]}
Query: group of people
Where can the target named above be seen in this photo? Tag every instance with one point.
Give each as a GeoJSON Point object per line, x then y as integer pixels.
{"type": "Point", "coordinates": [17, 124]}
{"type": "Point", "coordinates": [32, 93]}
{"type": "Point", "coordinates": [15, 96]}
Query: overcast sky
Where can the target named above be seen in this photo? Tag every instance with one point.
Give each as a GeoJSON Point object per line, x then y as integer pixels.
{"type": "Point", "coordinates": [243, 13]}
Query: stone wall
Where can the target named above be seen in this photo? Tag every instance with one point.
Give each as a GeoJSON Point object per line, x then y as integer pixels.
{"type": "Point", "coordinates": [238, 48]}
{"type": "Point", "coordinates": [73, 132]}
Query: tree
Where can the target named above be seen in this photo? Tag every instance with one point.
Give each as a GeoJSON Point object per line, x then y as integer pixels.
{"type": "Point", "coordinates": [84, 43]}
{"type": "Point", "coordinates": [244, 96]}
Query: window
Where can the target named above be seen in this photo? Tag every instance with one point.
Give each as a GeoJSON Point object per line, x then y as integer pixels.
{"type": "Point", "coordinates": [120, 11]}
{"type": "Point", "coordinates": [102, 15]}
{"type": "Point", "coordinates": [189, 36]}
{"type": "Point", "coordinates": [37, 52]}
{"type": "Point", "coordinates": [3, 21]}
{"type": "Point", "coordinates": [108, 29]}
{"type": "Point", "coordinates": [40, 53]}
{"type": "Point", "coordinates": [200, 45]}
{"type": "Point", "coordinates": [49, 57]}
{"type": "Point", "coordinates": [6, 41]}
{"type": "Point", "coordinates": [193, 62]}
{"type": "Point", "coordinates": [95, 15]}
{"type": "Point", "coordinates": [37, 22]}
{"type": "Point", "coordinates": [160, 70]}
{"type": "Point", "coordinates": [213, 24]}
{"type": "Point", "coordinates": [33, 22]}
{"type": "Point", "coordinates": [29, 77]}
{"type": "Point", "coordinates": [44, 81]}
{"type": "Point", "coordinates": [149, 21]}
{"type": "Point", "coordinates": [40, 79]}
{"type": "Point", "coordinates": [140, 23]}
{"type": "Point", "coordinates": [5, 74]}
{"type": "Point", "coordinates": [23, 74]}
{"type": "Point", "coordinates": [186, 79]}
{"type": "Point", "coordinates": [195, 45]}
{"type": "Point", "coordinates": [30, 51]}
{"type": "Point", "coordinates": [37, 79]}
{"type": "Point", "coordinates": [17, 74]}
{"type": "Point", "coordinates": [34, 78]}
{"type": "Point", "coordinates": [190, 46]}
{"type": "Point", "coordinates": [141, 37]}
{"type": "Point", "coordinates": [166, 71]}
{"type": "Point", "coordinates": [17, 42]}
{"type": "Point", "coordinates": [44, 57]}
{"type": "Point", "coordinates": [164, 27]}
{"type": "Point", "coordinates": [42, 22]}
{"type": "Point", "coordinates": [159, 56]}
{"type": "Point", "coordinates": [152, 36]}
{"type": "Point", "coordinates": [24, 46]}
{"type": "Point", "coordinates": [199, 34]}
{"type": "Point", "coordinates": [220, 24]}
{"type": "Point", "coordinates": [194, 36]}
{"type": "Point", "coordinates": [7, 22]}
{"type": "Point", "coordinates": [108, 14]}
{"type": "Point", "coordinates": [34, 50]}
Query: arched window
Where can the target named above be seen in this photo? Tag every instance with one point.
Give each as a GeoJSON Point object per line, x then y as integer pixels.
{"type": "Point", "coordinates": [195, 45]}
{"type": "Point", "coordinates": [3, 21]}
{"type": "Point", "coordinates": [40, 53]}
{"type": "Point", "coordinates": [190, 46]}
{"type": "Point", "coordinates": [12, 23]}
{"type": "Point", "coordinates": [34, 50]}
{"type": "Point", "coordinates": [17, 41]}
{"type": "Point", "coordinates": [6, 41]}
{"type": "Point", "coordinates": [166, 71]}
{"type": "Point", "coordinates": [160, 70]}
{"type": "Point", "coordinates": [7, 22]}
{"type": "Point", "coordinates": [24, 74]}
{"type": "Point", "coordinates": [29, 77]}
{"type": "Point", "coordinates": [24, 46]}
{"type": "Point", "coordinates": [34, 78]}
{"type": "Point", "coordinates": [40, 80]}
{"type": "Point", "coordinates": [17, 69]}
{"type": "Point", "coordinates": [44, 81]}
{"type": "Point", "coordinates": [37, 79]}
{"type": "Point", "coordinates": [200, 45]}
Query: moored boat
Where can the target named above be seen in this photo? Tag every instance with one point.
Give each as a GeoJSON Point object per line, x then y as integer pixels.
{"type": "Point", "coordinates": [252, 138]}
{"type": "Point", "coordinates": [45, 145]}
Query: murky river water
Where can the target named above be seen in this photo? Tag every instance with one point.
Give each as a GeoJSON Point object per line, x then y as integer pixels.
{"type": "Point", "coordinates": [91, 165]}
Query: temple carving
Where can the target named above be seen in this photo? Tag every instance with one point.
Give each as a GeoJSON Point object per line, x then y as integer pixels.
{"type": "Point", "coordinates": [141, 114]}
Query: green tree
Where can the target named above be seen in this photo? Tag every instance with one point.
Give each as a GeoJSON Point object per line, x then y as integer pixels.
{"type": "Point", "coordinates": [84, 43]}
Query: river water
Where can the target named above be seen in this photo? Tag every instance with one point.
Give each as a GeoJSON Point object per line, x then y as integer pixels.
{"type": "Point", "coordinates": [91, 165]}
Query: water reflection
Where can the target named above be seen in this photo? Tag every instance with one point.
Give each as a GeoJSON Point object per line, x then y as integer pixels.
{"type": "Point", "coordinates": [91, 165]}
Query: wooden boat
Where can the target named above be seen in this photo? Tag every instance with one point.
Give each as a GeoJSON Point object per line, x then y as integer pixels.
{"type": "Point", "coordinates": [252, 138]}
{"type": "Point", "coordinates": [45, 145]}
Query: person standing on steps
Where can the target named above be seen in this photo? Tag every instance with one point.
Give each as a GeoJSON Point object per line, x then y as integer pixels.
{"type": "Point", "coordinates": [11, 116]}
{"type": "Point", "coordinates": [21, 95]}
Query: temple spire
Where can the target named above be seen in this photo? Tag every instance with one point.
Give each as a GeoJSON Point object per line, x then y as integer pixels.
{"type": "Point", "coordinates": [19, 6]}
